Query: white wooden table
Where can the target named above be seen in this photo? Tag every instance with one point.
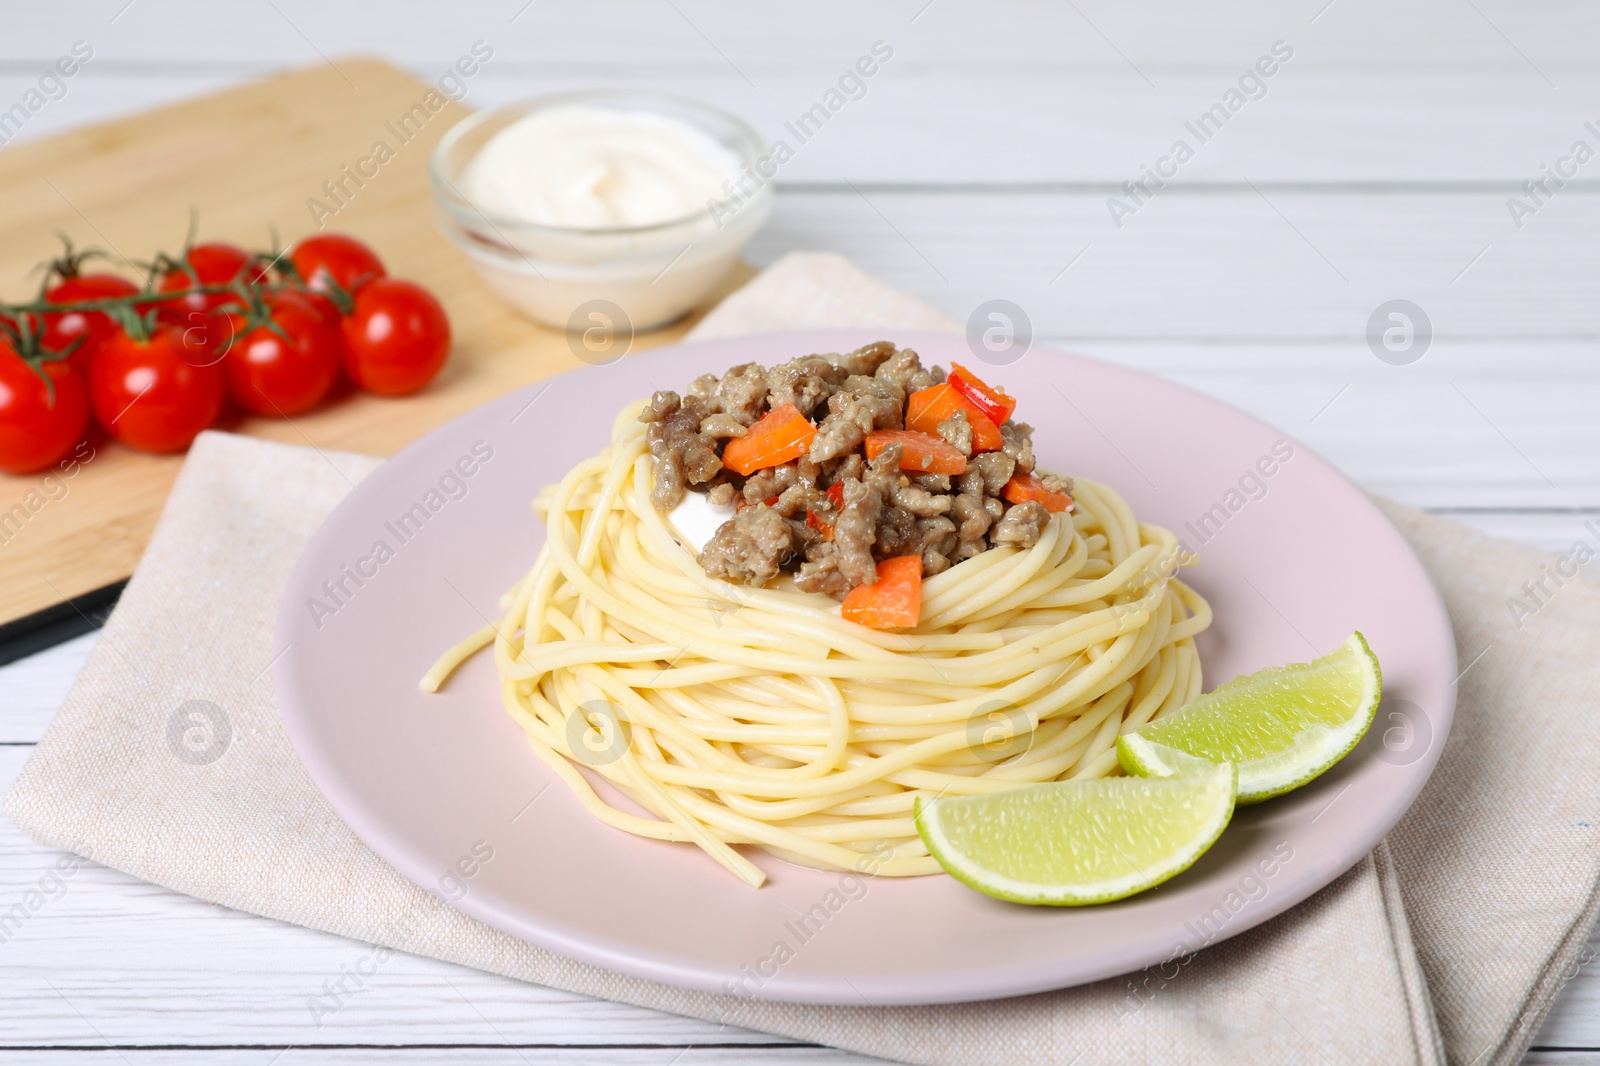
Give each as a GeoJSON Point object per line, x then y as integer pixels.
{"type": "Point", "coordinates": [1374, 164]}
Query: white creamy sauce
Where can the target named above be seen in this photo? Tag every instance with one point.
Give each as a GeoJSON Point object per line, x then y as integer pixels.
{"type": "Point", "coordinates": [585, 167]}
{"type": "Point", "coordinates": [696, 518]}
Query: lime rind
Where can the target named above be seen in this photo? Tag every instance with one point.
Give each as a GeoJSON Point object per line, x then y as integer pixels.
{"type": "Point", "coordinates": [1076, 843]}
{"type": "Point", "coordinates": [1283, 726]}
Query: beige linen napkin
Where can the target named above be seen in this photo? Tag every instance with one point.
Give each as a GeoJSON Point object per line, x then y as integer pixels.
{"type": "Point", "coordinates": [1471, 913]}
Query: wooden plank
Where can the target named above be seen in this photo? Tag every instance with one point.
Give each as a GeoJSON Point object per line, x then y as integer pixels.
{"type": "Point", "coordinates": [112, 945]}
{"type": "Point", "coordinates": [1471, 426]}
{"type": "Point", "coordinates": [31, 689]}
{"type": "Point", "coordinates": [1226, 265]}
{"type": "Point", "coordinates": [515, 1055]}
{"type": "Point", "coordinates": [1436, 440]}
{"type": "Point", "coordinates": [924, 122]}
{"type": "Point", "coordinates": [1010, 91]}
{"type": "Point", "coordinates": [139, 965]}
{"type": "Point", "coordinates": [246, 160]}
{"type": "Point", "coordinates": [1368, 34]}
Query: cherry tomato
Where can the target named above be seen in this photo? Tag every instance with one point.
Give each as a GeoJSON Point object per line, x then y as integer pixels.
{"type": "Point", "coordinates": [157, 394]}
{"type": "Point", "coordinates": [208, 264]}
{"type": "Point", "coordinates": [36, 429]}
{"type": "Point", "coordinates": [324, 305]}
{"type": "Point", "coordinates": [258, 271]}
{"type": "Point", "coordinates": [283, 374]}
{"type": "Point", "coordinates": [333, 257]}
{"type": "Point", "coordinates": [396, 337]}
{"type": "Point", "coordinates": [94, 327]}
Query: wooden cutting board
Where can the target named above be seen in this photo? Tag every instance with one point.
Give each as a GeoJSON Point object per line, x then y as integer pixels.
{"type": "Point", "coordinates": [247, 160]}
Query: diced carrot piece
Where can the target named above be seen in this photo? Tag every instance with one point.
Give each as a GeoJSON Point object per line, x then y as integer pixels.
{"type": "Point", "coordinates": [992, 402]}
{"type": "Point", "coordinates": [926, 408]}
{"type": "Point", "coordinates": [780, 435]}
{"type": "Point", "coordinates": [923, 452]}
{"type": "Point", "coordinates": [1024, 487]}
{"type": "Point", "coordinates": [894, 601]}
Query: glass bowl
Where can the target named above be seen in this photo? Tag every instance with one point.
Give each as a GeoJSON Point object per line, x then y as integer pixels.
{"type": "Point", "coordinates": [653, 273]}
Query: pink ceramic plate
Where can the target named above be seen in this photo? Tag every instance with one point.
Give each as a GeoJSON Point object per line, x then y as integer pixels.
{"type": "Point", "coordinates": [445, 788]}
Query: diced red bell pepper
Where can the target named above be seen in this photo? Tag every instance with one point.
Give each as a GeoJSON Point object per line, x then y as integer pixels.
{"type": "Point", "coordinates": [992, 402]}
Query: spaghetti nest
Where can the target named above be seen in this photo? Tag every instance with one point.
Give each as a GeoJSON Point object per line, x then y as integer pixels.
{"type": "Point", "coordinates": [737, 715]}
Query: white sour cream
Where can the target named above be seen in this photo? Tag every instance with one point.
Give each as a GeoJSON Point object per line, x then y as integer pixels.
{"type": "Point", "coordinates": [696, 518]}
{"type": "Point", "coordinates": [584, 167]}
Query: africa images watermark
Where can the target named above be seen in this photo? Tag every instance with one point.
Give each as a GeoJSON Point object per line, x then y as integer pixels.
{"type": "Point", "coordinates": [1538, 192]}
{"type": "Point", "coordinates": [1252, 85]}
{"type": "Point", "coordinates": [451, 486]}
{"type": "Point", "coordinates": [1252, 486]}
{"type": "Point", "coordinates": [850, 887]}
{"type": "Point", "coordinates": [403, 128]}
{"type": "Point", "coordinates": [1539, 592]}
{"type": "Point", "coordinates": [52, 86]}
{"type": "Point", "coordinates": [199, 732]}
{"type": "Point", "coordinates": [851, 85]}
{"type": "Point", "coordinates": [1399, 332]}
{"type": "Point", "coordinates": [50, 886]}
{"type": "Point", "coordinates": [451, 886]}
{"type": "Point", "coordinates": [52, 488]}
{"type": "Point", "coordinates": [1252, 886]}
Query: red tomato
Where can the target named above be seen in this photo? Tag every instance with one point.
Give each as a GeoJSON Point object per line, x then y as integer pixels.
{"type": "Point", "coordinates": [205, 338]}
{"type": "Point", "coordinates": [273, 374]}
{"type": "Point", "coordinates": [36, 429]}
{"type": "Point", "coordinates": [208, 264]}
{"type": "Point", "coordinates": [344, 261]}
{"type": "Point", "coordinates": [396, 338]}
{"type": "Point", "coordinates": [94, 327]}
{"type": "Point", "coordinates": [324, 304]}
{"type": "Point", "coordinates": [259, 269]}
{"type": "Point", "coordinates": [156, 395]}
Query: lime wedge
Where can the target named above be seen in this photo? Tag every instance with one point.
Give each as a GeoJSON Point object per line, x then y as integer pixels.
{"type": "Point", "coordinates": [1281, 726]}
{"type": "Point", "coordinates": [1069, 843]}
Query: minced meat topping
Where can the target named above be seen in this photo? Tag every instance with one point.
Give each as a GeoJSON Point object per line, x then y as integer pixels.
{"type": "Point", "coordinates": [860, 489]}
